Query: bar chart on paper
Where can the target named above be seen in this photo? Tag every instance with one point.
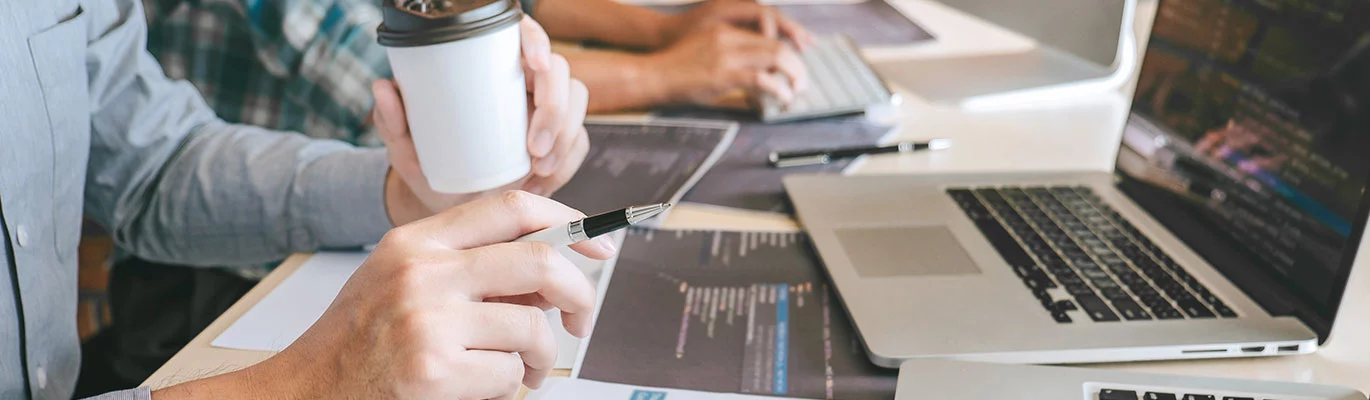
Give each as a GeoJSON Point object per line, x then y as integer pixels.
{"type": "Point", "coordinates": [645, 162]}
{"type": "Point", "coordinates": [728, 312]}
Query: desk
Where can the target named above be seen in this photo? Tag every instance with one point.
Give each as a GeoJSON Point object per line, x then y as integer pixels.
{"type": "Point", "coordinates": [1080, 135]}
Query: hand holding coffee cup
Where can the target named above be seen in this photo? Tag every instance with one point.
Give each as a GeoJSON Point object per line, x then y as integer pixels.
{"type": "Point", "coordinates": [457, 124]}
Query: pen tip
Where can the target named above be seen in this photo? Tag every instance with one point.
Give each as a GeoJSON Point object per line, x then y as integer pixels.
{"type": "Point", "coordinates": [939, 144]}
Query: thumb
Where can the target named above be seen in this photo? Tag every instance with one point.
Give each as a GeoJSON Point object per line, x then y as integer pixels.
{"type": "Point", "coordinates": [503, 218]}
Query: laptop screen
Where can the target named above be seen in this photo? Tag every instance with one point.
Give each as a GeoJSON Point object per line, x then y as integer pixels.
{"type": "Point", "coordinates": [1249, 139]}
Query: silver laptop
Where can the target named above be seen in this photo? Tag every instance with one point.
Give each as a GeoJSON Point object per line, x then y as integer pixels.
{"type": "Point", "coordinates": [958, 380]}
{"type": "Point", "coordinates": [1227, 229]}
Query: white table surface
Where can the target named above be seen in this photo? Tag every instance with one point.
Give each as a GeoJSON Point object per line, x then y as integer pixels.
{"type": "Point", "coordinates": [1077, 135]}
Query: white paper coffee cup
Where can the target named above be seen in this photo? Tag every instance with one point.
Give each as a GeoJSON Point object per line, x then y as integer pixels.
{"type": "Point", "coordinates": [459, 68]}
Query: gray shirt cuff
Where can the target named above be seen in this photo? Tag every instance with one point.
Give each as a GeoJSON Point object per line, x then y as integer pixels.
{"type": "Point", "coordinates": [344, 194]}
{"type": "Point", "coordinates": [141, 393]}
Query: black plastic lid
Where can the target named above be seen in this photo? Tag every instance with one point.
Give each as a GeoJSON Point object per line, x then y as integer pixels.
{"type": "Point", "coordinates": [426, 22]}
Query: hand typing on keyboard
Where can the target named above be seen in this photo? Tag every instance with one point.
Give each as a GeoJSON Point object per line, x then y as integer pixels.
{"type": "Point", "coordinates": [710, 63]}
{"type": "Point", "coordinates": [743, 14]}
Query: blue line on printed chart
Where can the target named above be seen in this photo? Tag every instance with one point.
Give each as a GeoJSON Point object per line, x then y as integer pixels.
{"type": "Point", "coordinates": [648, 395]}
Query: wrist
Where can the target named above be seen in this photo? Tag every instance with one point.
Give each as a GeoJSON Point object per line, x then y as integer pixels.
{"type": "Point", "coordinates": [401, 204]}
{"type": "Point", "coordinates": [652, 75]}
{"type": "Point", "coordinates": [665, 30]}
{"type": "Point", "coordinates": [268, 379]}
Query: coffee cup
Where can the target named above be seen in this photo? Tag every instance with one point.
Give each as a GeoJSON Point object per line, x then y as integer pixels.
{"type": "Point", "coordinates": [459, 69]}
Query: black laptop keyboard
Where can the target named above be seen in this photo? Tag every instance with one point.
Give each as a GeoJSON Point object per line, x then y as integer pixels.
{"type": "Point", "coordinates": [1115, 394]}
{"type": "Point", "coordinates": [1076, 253]}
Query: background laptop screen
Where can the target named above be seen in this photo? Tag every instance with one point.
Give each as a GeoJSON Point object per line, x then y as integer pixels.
{"type": "Point", "coordinates": [1250, 140]}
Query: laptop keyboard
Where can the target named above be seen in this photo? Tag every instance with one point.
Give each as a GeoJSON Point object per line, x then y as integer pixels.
{"type": "Point", "coordinates": [1077, 254]}
{"type": "Point", "coordinates": [841, 83]}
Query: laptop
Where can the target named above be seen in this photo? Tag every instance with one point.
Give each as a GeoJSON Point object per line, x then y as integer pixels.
{"type": "Point", "coordinates": [840, 82]}
{"type": "Point", "coordinates": [930, 379]}
{"type": "Point", "coordinates": [1228, 227]}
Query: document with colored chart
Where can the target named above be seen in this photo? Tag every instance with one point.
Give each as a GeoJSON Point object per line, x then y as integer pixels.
{"type": "Point", "coordinates": [729, 312]}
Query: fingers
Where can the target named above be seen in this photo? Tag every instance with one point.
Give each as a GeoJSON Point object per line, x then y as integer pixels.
{"type": "Point", "coordinates": [490, 374]}
{"type": "Point", "coordinates": [774, 85]}
{"type": "Point", "coordinates": [551, 98]}
{"type": "Point", "coordinates": [568, 135]}
{"type": "Point", "coordinates": [790, 28]}
{"type": "Point", "coordinates": [391, 121]}
{"type": "Point", "coordinates": [766, 56]}
{"type": "Point", "coordinates": [789, 63]}
{"type": "Point", "coordinates": [768, 24]}
{"type": "Point", "coordinates": [496, 219]}
{"type": "Point", "coordinates": [515, 329]}
{"type": "Point", "coordinates": [512, 269]}
{"type": "Point", "coordinates": [769, 21]}
{"type": "Point", "coordinates": [537, 47]}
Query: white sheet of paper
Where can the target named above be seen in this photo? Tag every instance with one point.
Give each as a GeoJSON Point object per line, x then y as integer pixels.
{"type": "Point", "coordinates": [580, 389]}
{"type": "Point", "coordinates": [289, 310]}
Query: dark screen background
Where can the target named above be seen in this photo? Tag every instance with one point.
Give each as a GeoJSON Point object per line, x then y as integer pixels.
{"type": "Point", "coordinates": [1262, 116]}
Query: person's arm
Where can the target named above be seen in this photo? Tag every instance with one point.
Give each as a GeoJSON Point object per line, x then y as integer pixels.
{"type": "Point", "coordinates": [718, 66]}
{"type": "Point", "coordinates": [605, 21]}
{"type": "Point", "coordinates": [175, 184]}
{"type": "Point", "coordinates": [621, 81]}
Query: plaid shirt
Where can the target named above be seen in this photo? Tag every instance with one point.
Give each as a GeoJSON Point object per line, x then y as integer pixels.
{"type": "Point", "coordinates": [293, 65]}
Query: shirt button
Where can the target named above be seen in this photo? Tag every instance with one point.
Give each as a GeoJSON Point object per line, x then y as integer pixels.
{"type": "Point", "coordinates": [22, 235]}
{"type": "Point", "coordinates": [42, 375]}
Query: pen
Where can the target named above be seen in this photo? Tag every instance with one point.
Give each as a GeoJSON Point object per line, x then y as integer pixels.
{"type": "Point", "coordinates": [824, 156]}
{"type": "Point", "coordinates": [593, 226]}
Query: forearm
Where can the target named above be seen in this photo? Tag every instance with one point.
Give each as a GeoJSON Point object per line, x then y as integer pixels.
{"type": "Point", "coordinates": [237, 194]}
{"type": "Point", "coordinates": [175, 184]}
{"type": "Point", "coordinates": [271, 379]}
{"type": "Point", "coordinates": [605, 21]}
{"type": "Point", "coordinates": [620, 81]}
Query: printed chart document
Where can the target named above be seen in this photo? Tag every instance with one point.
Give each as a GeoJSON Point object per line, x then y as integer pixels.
{"type": "Point", "coordinates": [644, 162]}
{"type": "Point", "coordinates": [743, 179]}
{"type": "Point", "coordinates": [580, 389]}
{"type": "Point", "coordinates": [732, 312]}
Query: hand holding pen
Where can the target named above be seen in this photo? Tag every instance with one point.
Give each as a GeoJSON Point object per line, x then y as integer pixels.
{"type": "Point", "coordinates": [594, 226]}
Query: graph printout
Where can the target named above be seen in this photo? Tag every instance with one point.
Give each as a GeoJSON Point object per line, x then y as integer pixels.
{"type": "Point", "coordinates": [728, 312]}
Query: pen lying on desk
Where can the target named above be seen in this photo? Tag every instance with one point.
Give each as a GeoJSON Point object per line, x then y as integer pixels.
{"type": "Point", "coordinates": [824, 156]}
{"type": "Point", "coordinates": [593, 226]}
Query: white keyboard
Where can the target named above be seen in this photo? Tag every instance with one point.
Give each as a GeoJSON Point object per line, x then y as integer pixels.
{"type": "Point", "coordinates": [840, 82]}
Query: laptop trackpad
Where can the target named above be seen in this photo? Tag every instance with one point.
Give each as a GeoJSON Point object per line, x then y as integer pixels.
{"type": "Point", "coordinates": [905, 251]}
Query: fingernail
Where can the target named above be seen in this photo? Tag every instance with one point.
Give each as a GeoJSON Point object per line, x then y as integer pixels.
{"type": "Point", "coordinates": [542, 143]}
{"type": "Point", "coordinates": [607, 244]}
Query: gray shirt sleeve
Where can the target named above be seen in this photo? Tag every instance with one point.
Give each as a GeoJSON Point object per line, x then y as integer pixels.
{"type": "Point", "coordinates": [131, 394]}
{"type": "Point", "coordinates": [529, 6]}
{"type": "Point", "coordinates": [175, 184]}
